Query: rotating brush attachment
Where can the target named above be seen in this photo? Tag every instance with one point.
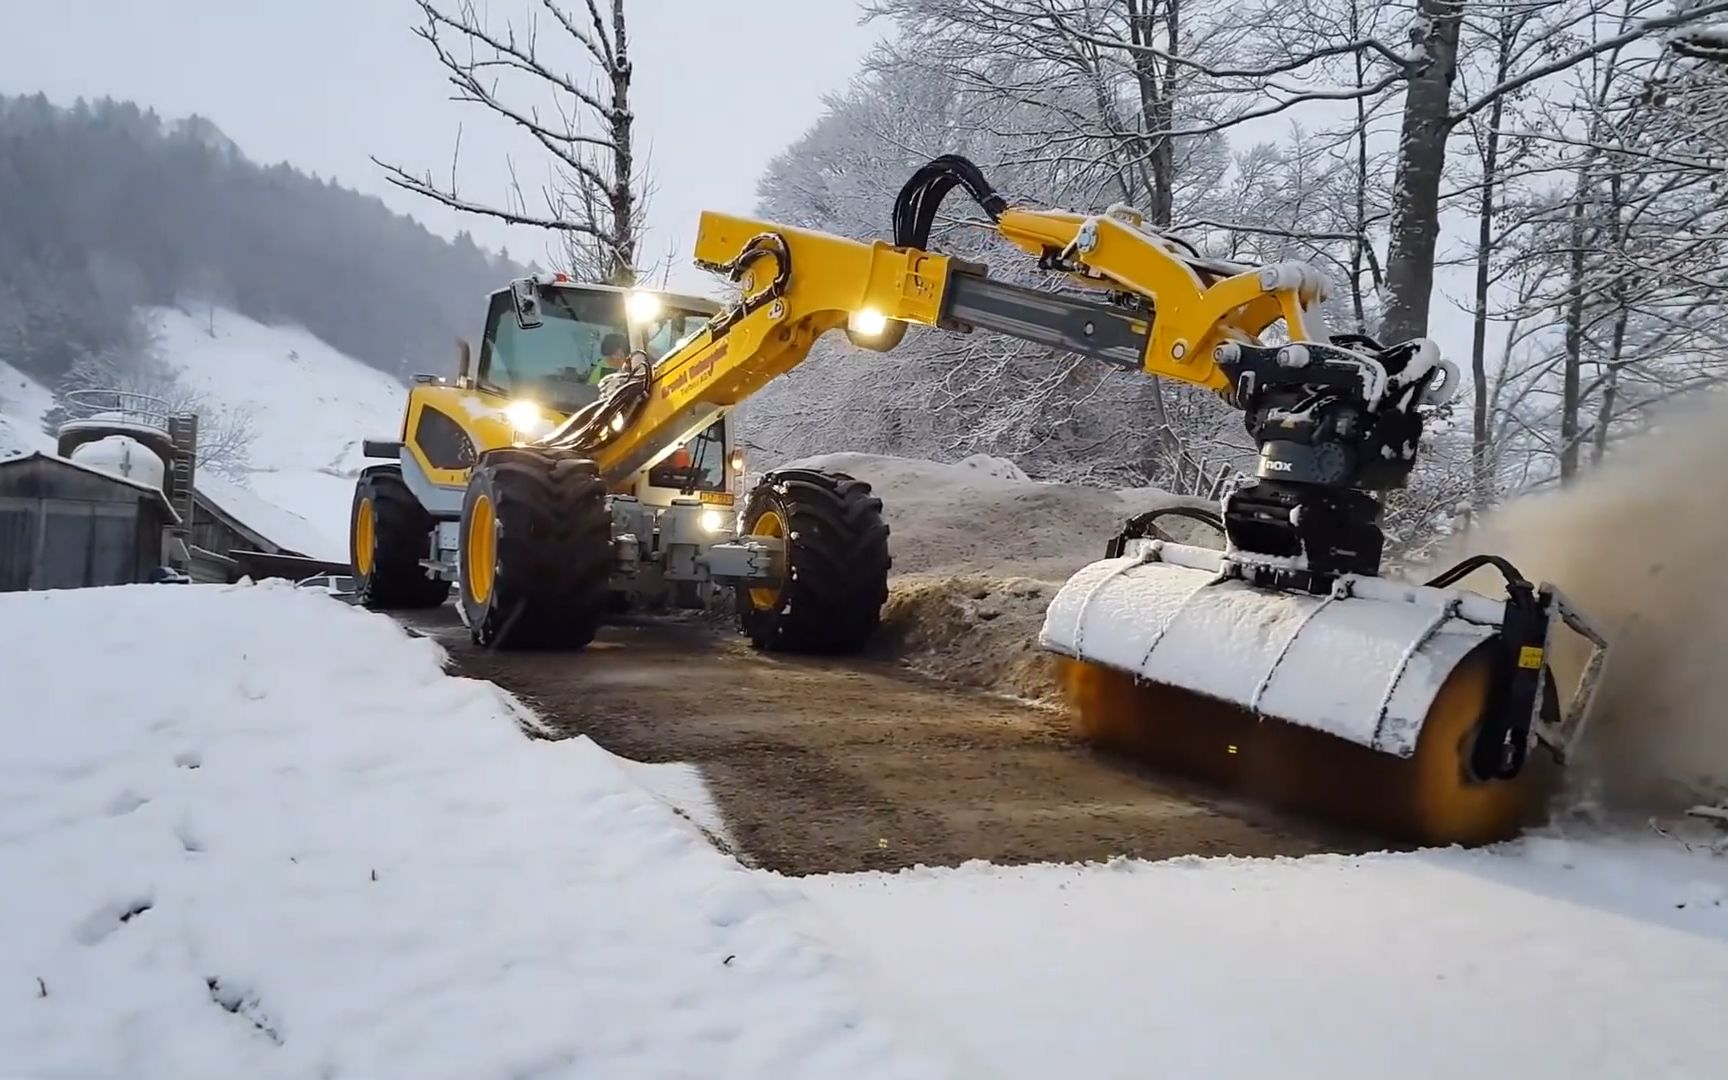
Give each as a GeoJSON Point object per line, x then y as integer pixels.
{"type": "Point", "coordinates": [1431, 797]}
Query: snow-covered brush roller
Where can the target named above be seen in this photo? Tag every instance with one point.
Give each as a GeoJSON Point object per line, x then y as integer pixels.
{"type": "Point", "coordinates": [1283, 664]}
{"type": "Point", "coordinates": [551, 497]}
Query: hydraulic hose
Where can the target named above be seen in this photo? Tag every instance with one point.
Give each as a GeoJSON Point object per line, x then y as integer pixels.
{"type": "Point", "coordinates": [916, 205]}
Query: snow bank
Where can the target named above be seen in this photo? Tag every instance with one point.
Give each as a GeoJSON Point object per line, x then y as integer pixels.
{"type": "Point", "coordinates": [250, 831]}
{"type": "Point", "coordinates": [1549, 959]}
{"type": "Point", "coordinates": [984, 516]}
{"type": "Point", "coordinates": [308, 406]}
{"type": "Point", "coordinates": [978, 552]}
{"type": "Point", "coordinates": [973, 629]}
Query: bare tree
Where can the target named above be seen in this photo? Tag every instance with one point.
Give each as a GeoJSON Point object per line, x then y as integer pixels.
{"type": "Point", "coordinates": [572, 98]}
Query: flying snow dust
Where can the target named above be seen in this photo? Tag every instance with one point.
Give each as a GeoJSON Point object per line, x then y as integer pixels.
{"type": "Point", "coordinates": [1641, 546]}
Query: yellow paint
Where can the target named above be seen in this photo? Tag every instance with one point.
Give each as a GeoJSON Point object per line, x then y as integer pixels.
{"type": "Point", "coordinates": [483, 421]}
{"type": "Point", "coordinates": [833, 277]}
{"type": "Point", "coordinates": [365, 537]}
{"type": "Point", "coordinates": [480, 554]}
{"type": "Point", "coordinates": [772, 525]}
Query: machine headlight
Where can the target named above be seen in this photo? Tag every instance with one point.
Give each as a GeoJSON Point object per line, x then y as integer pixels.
{"type": "Point", "coordinates": [526, 417]}
{"type": "Point", "coordinates": [713, 521]}
{"type": "Point", "coordinates": [867, 322]}
{"type": "Point", "coordinates": [641, 307]}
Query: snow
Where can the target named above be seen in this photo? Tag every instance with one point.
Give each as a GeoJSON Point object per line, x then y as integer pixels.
{"type": "Point", "coordinates": [984, 515]}
{"type": "Point", "coordinates": [308, 405]}
{"type": "Point", "coordinates": [267, 836]}
{"type": "Point", "coordinates": [1551, 958]}
{"type": "Point", "coordinates": [23, 401]}
{"type": "Point", "coordinates": [1363, 664]}
{"type": "Point", "coordinates": [283, 527]}
{"type": "Point", "coordinates": [123, 456]}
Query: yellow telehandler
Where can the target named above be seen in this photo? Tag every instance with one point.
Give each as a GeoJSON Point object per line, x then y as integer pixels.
{"type": "Point", "coordinates": [1283, 663]}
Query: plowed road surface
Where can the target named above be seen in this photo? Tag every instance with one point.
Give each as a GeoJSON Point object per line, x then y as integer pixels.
{"type": "Point", "coordinates": [824, 765]}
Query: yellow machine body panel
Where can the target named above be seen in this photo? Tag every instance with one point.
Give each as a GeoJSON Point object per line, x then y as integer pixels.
{"type": "Point", "coordinates": [446, 428]}
{"type": "Point", "coordinates": [827, 279]}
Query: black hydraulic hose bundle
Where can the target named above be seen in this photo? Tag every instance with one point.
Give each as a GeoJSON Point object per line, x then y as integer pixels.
{"type": "Point", "coordinates": [916, 205]}
{"type": "Point", "coordinates": [593, 425]}
{"type": "Point", "coordinates": [754, 249]}
{"type": "Point", "coordinates": [1142, 526]}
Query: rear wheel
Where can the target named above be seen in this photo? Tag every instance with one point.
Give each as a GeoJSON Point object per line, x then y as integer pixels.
{"type": "Point", "coordinates": [536, 550]}
{"type": "Point", "coordinates": [836, 566]}
{"type": "Point", "coordinates": [389, 534]}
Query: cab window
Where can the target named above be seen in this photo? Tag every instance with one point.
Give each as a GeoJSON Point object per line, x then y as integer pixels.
{"type": "Point", "coordinates": [666, 332]}
{"type": "Point", "coordinates": [582, 337]}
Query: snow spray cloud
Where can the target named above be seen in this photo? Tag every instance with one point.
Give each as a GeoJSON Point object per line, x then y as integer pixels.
{"type": "Point", "coordinates": [1641, 547]}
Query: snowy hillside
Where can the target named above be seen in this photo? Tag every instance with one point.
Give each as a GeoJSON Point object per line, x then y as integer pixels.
{"type": "Point", "coordinates": [22, 403]}
{"type": "Point", "coordinates": [308, 406]}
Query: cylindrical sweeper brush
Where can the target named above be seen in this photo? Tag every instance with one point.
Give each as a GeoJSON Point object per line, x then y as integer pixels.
{"type": "Point", "coordinates": [1408, 710]}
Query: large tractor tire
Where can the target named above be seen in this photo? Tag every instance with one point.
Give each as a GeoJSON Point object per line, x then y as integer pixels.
{"type": "Point", "coordinates": [536, 550]}
{"type": "Point", "coordinates": [389, 534]}
{"type": "Point", "coordinates": [830, 600]}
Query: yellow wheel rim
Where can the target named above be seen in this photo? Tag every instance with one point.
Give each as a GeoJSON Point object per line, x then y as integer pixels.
{"type": "Point", "coordinates": [365, 537]}
{"type": "Point", "coordinates": [482, 550]}
{"type": "Point", "coordinates": [769, 524]}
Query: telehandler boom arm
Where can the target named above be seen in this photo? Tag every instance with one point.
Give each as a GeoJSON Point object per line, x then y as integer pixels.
{"type": "Point", "coordinates": [1160, 309]}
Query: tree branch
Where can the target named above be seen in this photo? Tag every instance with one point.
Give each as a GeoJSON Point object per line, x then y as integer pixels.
{"type": "Point", "coordinates": [1639, 30]}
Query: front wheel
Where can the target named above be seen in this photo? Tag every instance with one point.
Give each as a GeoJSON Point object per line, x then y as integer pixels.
{"type": "Point", "coordinates": [536, 550]}
{"type": "Point", "coordinates": [835, 581]}
{"type": "Point", "coordinates": [389, 535]}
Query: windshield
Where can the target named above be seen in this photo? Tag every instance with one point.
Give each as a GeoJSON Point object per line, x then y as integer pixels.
{"type": "Point", "coordinates": [698, 465]}
{"type": "Point", "coordinates": [582, 338]}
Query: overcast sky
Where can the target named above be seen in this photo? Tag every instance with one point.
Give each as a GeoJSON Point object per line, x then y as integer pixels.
{"type": "Point", "coordinates": [721, 86]}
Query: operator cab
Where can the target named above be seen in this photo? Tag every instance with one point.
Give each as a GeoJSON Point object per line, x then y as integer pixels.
{"type": "Point", "coordinates": [550, 342]}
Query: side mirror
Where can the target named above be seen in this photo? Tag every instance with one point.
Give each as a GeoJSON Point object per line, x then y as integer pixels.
{"type": "Point", "coordinates": [464, 358]}
{"type": "Point", "coordinates": [525, 297]}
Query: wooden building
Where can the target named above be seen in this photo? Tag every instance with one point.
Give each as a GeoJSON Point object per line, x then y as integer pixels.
{"type": "Point", "coordinates": [64, 525]}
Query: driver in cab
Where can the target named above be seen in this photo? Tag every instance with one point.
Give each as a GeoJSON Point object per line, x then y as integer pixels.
{"type": "Point", "coordinates": [614, 352]}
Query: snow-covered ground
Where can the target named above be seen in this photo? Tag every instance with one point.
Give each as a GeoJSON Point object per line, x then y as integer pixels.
{"type": "Point", "coordinates": [22, 403]}
{"type": "Point", "coordinates": [251, 831]}
{"type": "Point", "coordinates": [1544, 959]}
{"type": "Point", "coordinates": [309, 408]}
